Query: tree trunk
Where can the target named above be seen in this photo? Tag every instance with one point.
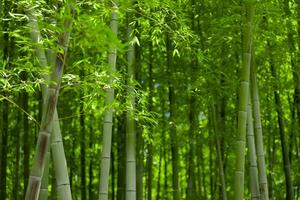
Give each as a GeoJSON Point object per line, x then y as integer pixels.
{"type": "Point", "coordinates": [63, 188]}
{"type": "Point", "coordinates": [61, 171]}
{"type": "Point", "coordinates": [5, 106]}
{"type": "Point", "coordinates": [284, 147]}
{"type": "Point", "coordinates": [50, 60]}
{"type": "Point", "coordinates": [121, 157]}
{"type": "Point", "coordinates": [191, 192]}
{"type": "Point", "coordinates": [254, 186]}
{"type": "Point", "coordinates": [159, 175]}
{"type": "Point", "coordinates": [164, 145]}
{"type": "Point", "coordinates": [4, 148]}
{"type": "Point", "coordinates": [108, 116]}
{"type": "Point", "coordinates": [150, 109]}
{"type": "Point", "coordinates": [130, 122]}
{"type": "Point", "coordinates": [212, 176]}
{"type": "Point", "coordinates": [172, 108]}
{"type": "Point", "coordinates": [263, 181]}
{"type": "Point", "coordinates": [296, 77]}
{"type": "Point", "coordinates": [34, 183]}
{"type": "Point", "coordinates": [140, 147]}
{"type": "Point", "coordinates": [16, 180]}
{"type": "Point", "coordinates": [294, 66]}
{"type": "Point", "coordinates": [112, 168]}
{"type": "Point", "coordinates": [243, 99]}
{"type": "Point", "coordinates": [271, 151]}
{"type": "Point", "coordinates": [43, 194]}
{"type": "Point", "coordinates": [216, 124]}
{"type": "Point", "coordinates": [82, 143]}
{"type": "Point", "coordinates": [91, 166]}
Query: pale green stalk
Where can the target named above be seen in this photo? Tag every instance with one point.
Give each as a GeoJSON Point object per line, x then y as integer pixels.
{"type": "Point", "coordinates": [130, 128]}
{"type": "Point", "coordinates": [46, 127]}
{"type": "Point", "coordinates": [263, 181]}
{"type": "Point", "coordinates": [43, 195]}
{"type": "Point", "coordinates": [40, 53]}
{"type": "Point", "coordinates": [108, 116]}
{"type": "Point", "coordinates": [61, 170]}
{"type": "Point", "coordinates": [243, 100]}
{"type": "Point", "coordinates": [63, 188]}
{"type": "Point", "coordinates": [254, 187]}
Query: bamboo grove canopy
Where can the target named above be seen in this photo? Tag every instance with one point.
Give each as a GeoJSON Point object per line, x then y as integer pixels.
{"type": "Point", "coordinates": [154, 100]}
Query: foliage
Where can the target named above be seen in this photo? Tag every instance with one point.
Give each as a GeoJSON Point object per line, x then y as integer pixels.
{"type": "Point", "coordinates": [206, 52]}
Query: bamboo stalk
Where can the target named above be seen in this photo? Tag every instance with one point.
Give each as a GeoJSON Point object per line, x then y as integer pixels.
{"type": "Point", "coordinates": [130, 122]}
{"type": "Point", "coordinates": [263, 181]}
{"type": "Point", "coordinates": [254, 187]}
{"type": "Point", "coordinates": [243, 99]}
{"type": "Point", "coordinates": [108, 116]}
{"type": "Point", "coordinates": [39, 161]}
{"type": "Point", "coordinates": [63, 187]}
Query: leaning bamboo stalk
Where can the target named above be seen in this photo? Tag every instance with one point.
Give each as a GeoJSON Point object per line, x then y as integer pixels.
{"type": "Point", "coordinates": [61, 170]}
{"type": "Point", "coordinates": [40, 53]}
{"type": "Point", "coordinates": [43, 142]}
{"type": "Point", "coordinates": [108, 116]}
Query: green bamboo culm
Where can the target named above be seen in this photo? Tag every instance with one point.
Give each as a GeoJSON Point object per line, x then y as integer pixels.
{"type": "Point", "coordinates": [43, 195]}
{"type": "Point", "coordinates": [263, 181]}
{"type": "Point", "coordinates": [217, 134]}
{"type": "Point", "coordinates": [63, 188]}
{"type": "Point", "coordinates": [243, 100]}
{"type": "Point", "coordinates": [281, 125]}
{"type": "Point", "coordinates": [41, 56]}
{"type": "Point", "coordinates": [43, 142]}
{"type": "Point", "coordinates": [108, 116]}
{"type": "Point", "coordinates": [59, 158]}
{"type": "Point", "coordinates": [254, 186]}
{"type": "Point", "coordinates": [130, 122]}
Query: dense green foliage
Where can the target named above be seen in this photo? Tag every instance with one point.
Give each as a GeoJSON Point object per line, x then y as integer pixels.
{"type": "Point", "coordinates": [174, 98]}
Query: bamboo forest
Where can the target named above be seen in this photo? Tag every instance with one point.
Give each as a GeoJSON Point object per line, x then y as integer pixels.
{"type": "Point", "coordinates": [150, 100]}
